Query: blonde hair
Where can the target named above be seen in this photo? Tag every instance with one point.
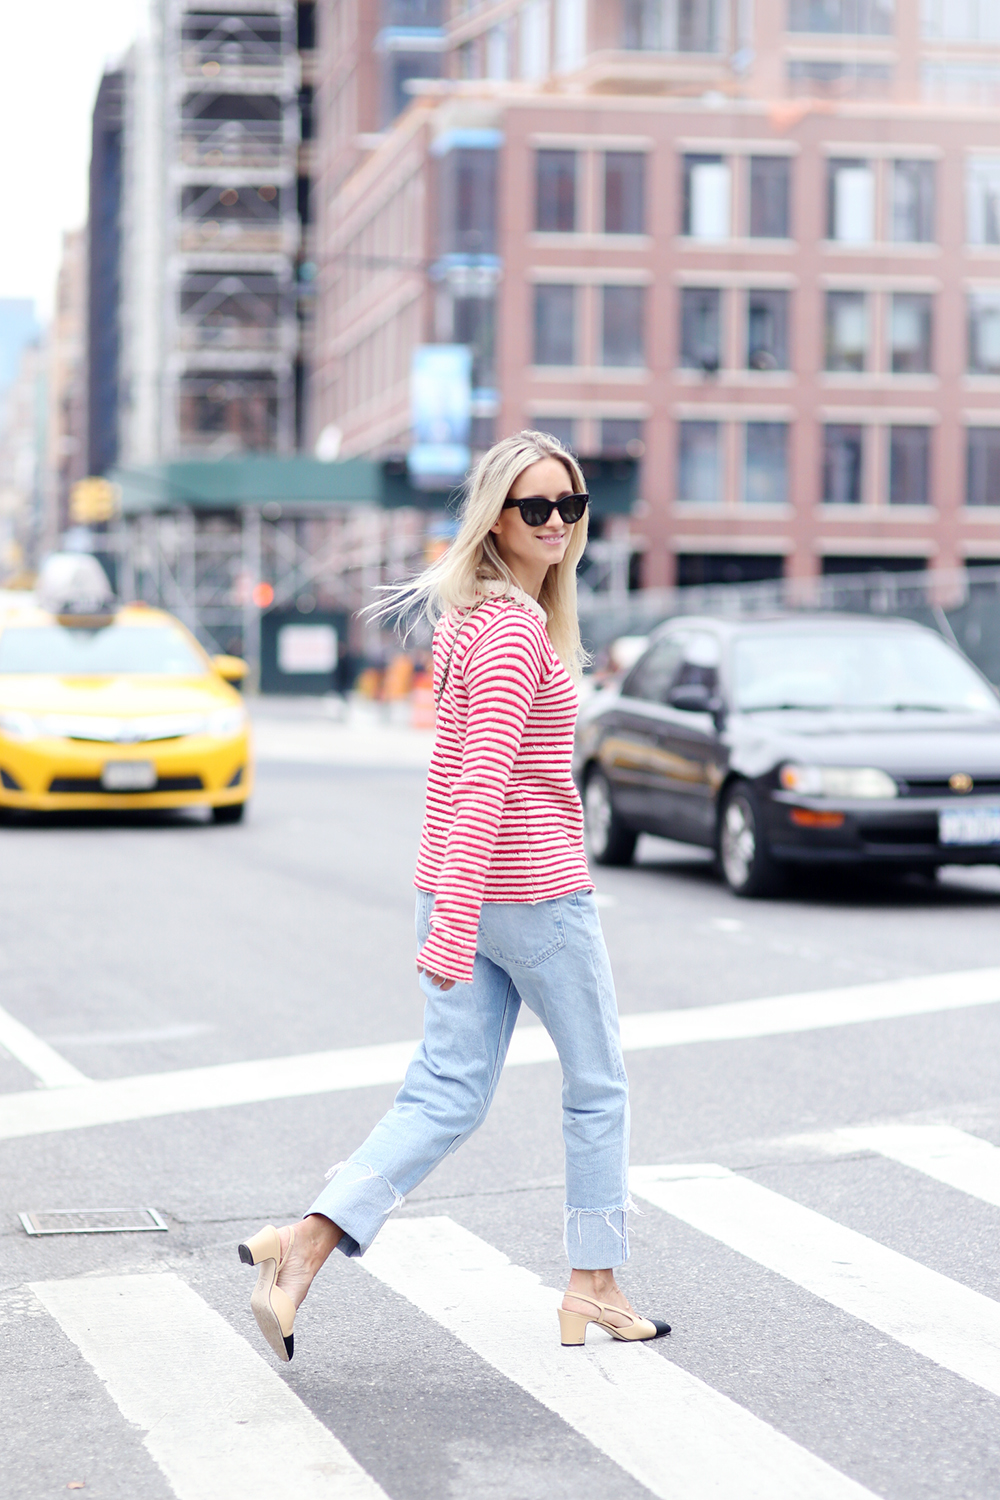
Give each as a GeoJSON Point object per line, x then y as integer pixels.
{"type": "Point", "coordinates": [455, 580]}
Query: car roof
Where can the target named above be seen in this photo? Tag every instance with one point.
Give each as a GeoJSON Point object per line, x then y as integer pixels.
{"type": "Point", "coordinates": [30, 615]}
{"type": "Point", "coordinates": [729, 625]}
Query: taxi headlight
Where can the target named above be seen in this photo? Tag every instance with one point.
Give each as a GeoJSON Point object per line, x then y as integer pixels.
{"type": "Point", "coordinates": [838, 781]}
{"type": "Point", "coordinates": [17, 726]}
{"type": "Point", "coordinates": [226, 722]}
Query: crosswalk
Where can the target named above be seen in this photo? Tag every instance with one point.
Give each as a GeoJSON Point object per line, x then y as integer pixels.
{"type": "Point", "coordinates": [218, 1418]}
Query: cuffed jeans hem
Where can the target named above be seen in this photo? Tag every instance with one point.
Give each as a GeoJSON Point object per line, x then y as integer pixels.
{"type": "Point", "coordinates": [358, 1200]}
{"type": "Point", "coordinates": [596, 1239]}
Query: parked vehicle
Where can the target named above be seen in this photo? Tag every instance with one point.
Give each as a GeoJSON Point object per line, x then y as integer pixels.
{"type": "Point", "coordinates": [805, 739]}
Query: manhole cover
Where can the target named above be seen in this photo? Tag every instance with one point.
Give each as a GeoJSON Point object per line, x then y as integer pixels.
{"type": "Point", "coordinates": [100, 1221]}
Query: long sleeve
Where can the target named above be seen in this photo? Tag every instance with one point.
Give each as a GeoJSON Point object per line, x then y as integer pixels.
{"type": "Point", "coordinates": [500, 673]}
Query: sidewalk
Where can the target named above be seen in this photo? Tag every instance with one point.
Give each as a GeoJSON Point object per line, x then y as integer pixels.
{"type": "Point", "coordinates": [328, 732]}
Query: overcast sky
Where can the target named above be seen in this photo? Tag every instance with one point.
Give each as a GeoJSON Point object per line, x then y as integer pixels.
{"type": "Point", "coordinates": [54, 54]}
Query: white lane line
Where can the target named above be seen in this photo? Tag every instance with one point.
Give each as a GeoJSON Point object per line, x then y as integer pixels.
{"type": "Point", "coordinates": [670, 1431]}
{"type": "Point", "coordinates": [51, 1070]}
{"type": "Point", "coordinates": [213, 1415]}
{"type": "Point", "coordinates": [943, 1152]}
{"type": "Point", "coordinates": [939, 1318]}
{"type": "Point", "coordinates": [150, 1095]}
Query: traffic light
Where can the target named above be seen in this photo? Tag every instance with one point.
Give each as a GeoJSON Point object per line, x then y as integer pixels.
{"type": "Point", "coordinates": [92, 501]}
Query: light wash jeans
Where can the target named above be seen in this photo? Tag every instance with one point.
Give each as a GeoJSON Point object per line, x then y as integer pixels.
{"type": "Point", "coordinates": [551, 956]}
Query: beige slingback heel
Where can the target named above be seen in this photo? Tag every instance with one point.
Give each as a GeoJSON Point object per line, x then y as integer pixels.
{"type": "Point", "coordinates": [573, 1325]}
{"type": "Point", "coordinates": [272, 1307]}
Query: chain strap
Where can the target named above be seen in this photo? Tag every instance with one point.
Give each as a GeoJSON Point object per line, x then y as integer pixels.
{"type": "Point", "coordinates": [447, 666]}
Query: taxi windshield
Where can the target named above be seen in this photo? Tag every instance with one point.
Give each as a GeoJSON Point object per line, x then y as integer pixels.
{"type": "Point", "coordinates": [68, 651]}
{"type": "Point", "coordinates": [856, 670]}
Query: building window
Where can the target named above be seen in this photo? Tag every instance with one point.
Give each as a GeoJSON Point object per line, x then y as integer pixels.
{"type": "Point", "coordinates": [701, 328]}
{"type": "Point", "coordinates": [707, 196]}
{"type": "Point", "coordinates": [846, 17]}
{"type": "Point", "coordinates": [555, 191]}
{"type": "Point", "coordinates": [621, 437]}
{"type": "Point", "coordinates": [843, 452]}
{"type": "Point", "coordinates": [769, 197]}
{"type": "Point", "coordinates": [560, 428]}
{"type": "Point", "coordinates": [622, 330]}
{"type": "Point", "coordinates": [984, 333]}
{"type": "Point", "coordinates": [910, 333]}
{"type": "Point", "coordinates": [307, 112]}
{"type": "Point", "coordinates": [703, 569]}
{"type": "Point", "coordinates": [767, 330]}
{"type": "Point", "coordinates": [982, 483]}
{"type": "Point", "coordinates": [909, 465]}
{"type": "Point", "coordinates": [846, 331]}
{"type": "Point", "coordinates": [624, 192]}
{"type": "Point", "coordinates": [765, 471]}
{"type": "Point", "coordinates": [467, 200]}
{"type": "Point", "coordinates": [672, 25]}
{"type": "Point", "coordinates": [850, 202]}
{"type": "Point", "coordinates": [555, 325]}
{"type": "Point", "coordinates": [699, 462]}
{"type": "Point", "coordinates": [983, 200]}
{"type": "Point", "coordinates": [401, 68]}
{"type": "Point", "coordinates": [911, 202]}
{"type": "Point", "coordinates": [965, 21]}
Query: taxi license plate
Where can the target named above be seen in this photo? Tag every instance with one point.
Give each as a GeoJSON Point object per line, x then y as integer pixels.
{"type": "Point", "coordinates": [129, 776]}
{"type": "Point", "coordinates": [969, 825]}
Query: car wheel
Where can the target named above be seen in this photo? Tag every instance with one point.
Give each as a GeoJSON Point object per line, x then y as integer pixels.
{"type": "Point", "coordinates": [609, 840]}
{"type": "Point", "coordinates": [232, 812]}
{"type": "Point", "coordinates": [747, 866]}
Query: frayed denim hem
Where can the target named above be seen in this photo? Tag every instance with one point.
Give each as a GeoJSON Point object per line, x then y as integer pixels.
{"type": "Point", "coordinates": [358, 1200]}
{"type": "Point", "coordinates": [596, 1239]}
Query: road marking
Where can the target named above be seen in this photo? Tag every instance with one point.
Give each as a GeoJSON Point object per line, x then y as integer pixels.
{"type": "Point", "coordinates": [939, 1318]}
{"type": "Point", "coordinates": [180, 1032]}
{"type": "Point", "coordinates": [214, 1416]}
{"type": "Point", "coordinates": [147, 1096]}
{"type": "Point", "coordinates": [670, 1431]}
{"type": "Point", "coordinates": [51, 1070]}
{"type": "Point", "coordinates": [947, 1154]}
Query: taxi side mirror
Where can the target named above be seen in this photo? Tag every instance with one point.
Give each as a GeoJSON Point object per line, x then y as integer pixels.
{"type": "Point", "coordinates": [233, 668]}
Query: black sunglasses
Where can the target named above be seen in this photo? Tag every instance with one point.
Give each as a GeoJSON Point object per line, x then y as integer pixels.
{"type": "Point", "coordinates": [535, 509]}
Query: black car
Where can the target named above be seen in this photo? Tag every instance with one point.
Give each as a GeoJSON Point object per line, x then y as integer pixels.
{"type": "Point", "coordinates": [795, 740]}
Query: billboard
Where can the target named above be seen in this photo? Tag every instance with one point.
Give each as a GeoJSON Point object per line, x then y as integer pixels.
{"type": "Point", "coordinates": [441, 414]}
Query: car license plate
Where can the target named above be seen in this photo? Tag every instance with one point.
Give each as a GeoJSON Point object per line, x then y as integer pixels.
{"type": "Point", "coordinates": [128, 776]}
{"type": "Point", "coordinates": [969, 825]}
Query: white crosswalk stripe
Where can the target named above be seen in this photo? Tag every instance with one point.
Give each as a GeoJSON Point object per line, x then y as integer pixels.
{"type": "Point", "coordinates": [666, 1428]}
{"type": "Point", "coordinates": [216, 1418]}
{"type": "Point", "coordinates": [951, 1156]}
{"type": "Point", "coordinates": [69, 1101]}
{"type": "Point", "coordinates": [941, 1319]}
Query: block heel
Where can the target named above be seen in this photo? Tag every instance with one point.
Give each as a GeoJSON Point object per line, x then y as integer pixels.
{"type": "Point", "coordinates": [572, 1328]}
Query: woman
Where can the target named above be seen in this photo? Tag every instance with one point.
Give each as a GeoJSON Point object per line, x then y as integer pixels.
{"type": "Point", "coordinates": [505, 903]}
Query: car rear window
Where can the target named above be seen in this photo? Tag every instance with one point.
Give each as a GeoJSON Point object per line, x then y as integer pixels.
{"type": "Point", "coordinates": [68, 651]}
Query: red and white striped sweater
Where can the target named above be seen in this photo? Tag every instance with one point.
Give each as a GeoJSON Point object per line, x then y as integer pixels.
{"type": "Point", "coordinates": [503, 820]}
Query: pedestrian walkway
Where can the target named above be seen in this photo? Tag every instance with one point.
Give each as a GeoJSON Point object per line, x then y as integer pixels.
{"type": "Point", "coordinates": [219, 1418]}
{"type": "Point", "coordinates": [330, 732]}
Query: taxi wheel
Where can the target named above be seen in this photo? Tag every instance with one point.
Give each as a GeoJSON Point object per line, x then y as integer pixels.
{"type": "Point", "coordinates": [609, 841]}
{"type": "Point", "coordinates": [744, 857]}
{"type": "Point", "coordinates": [231, 813]}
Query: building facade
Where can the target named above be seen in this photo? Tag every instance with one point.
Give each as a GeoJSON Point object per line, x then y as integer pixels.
{"type": "Point", "coordinates": [214, 253]}
{"type": "Point", "coordinates": [756, 246]}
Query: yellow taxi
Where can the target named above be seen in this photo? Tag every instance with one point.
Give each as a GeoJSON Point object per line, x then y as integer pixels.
{"type": "Point", "coordinates": [120, 709]}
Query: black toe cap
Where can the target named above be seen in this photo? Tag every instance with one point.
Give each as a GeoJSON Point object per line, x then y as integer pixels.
{"type": "Point", "coordinates": [661, 1328]}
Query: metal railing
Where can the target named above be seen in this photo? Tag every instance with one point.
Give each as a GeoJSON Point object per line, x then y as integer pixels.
{"type": "Point", "coordinates": [962, 604]}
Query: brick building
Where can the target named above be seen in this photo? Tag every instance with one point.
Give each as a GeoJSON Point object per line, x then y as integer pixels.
{"type": "Point", "coordinates": [758, 245]}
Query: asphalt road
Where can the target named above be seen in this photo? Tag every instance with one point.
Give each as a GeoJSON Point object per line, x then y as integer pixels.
{"type": "Point", "coordinates": [802, 1362]}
